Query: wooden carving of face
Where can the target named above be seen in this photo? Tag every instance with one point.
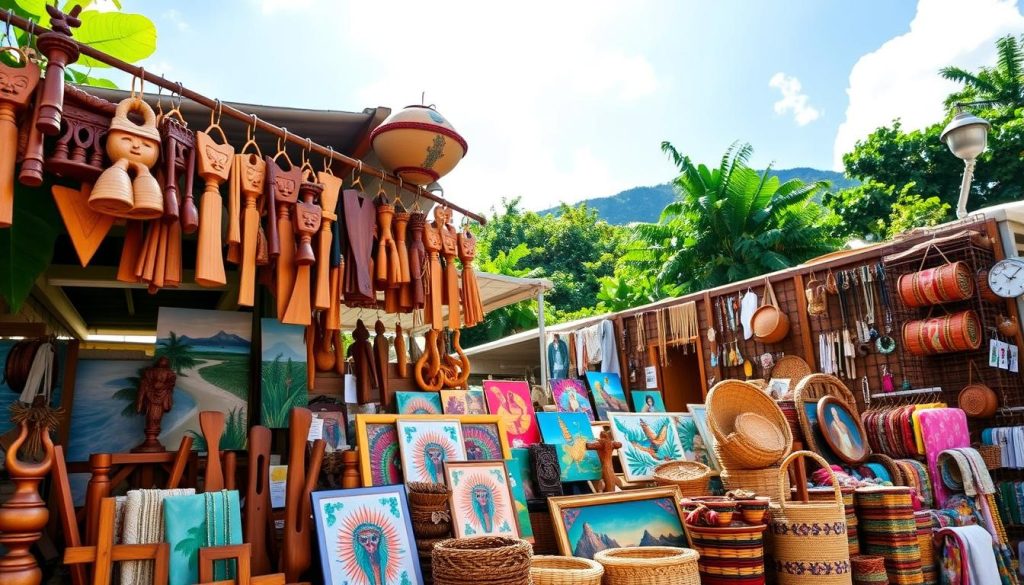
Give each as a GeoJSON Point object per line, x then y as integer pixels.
{"type": "Point", "coordinates": [17, 82]}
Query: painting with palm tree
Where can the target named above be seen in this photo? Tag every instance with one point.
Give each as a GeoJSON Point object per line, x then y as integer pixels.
{"type": "Point", "coordinates": [692, 443]}
{"type": "Point", "coordinates": [648, 440]}
{"type": "Point", "coordinates": [210, 353]}
{"type": "Point", "coordinates": [282, 371]}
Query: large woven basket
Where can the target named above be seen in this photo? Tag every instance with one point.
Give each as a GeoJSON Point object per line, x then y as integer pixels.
{"type": "Point", "coordinates": [763, 482]}
{"type": "Point", "coordinates": [556, 570]}
{"type": "Point", "coordinates": [429, 510]}
{"type": "Point", "coordinates": [746, 448]}
{"type": "Point", "coordinates": [810, 538]}
{"type": "Point", "coordinates": [482, 559]}
{"type": "Point", "coordinates": [869, 570]}
{"type": "Point", "coordinates": [793, 368]}
{"type": "Point", "coordinates": [649, 565]}
{"type": "Point", "coordinates": [733, 554]}
{"type": "Point", "coordinates": [690, 477]}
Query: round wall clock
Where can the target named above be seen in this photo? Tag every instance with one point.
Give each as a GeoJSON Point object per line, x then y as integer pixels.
{"type": "Point", "coordinates": [1006, 278]}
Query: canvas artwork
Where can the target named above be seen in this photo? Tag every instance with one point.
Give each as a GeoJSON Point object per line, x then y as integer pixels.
{"type": "Point", "coordinates": [700, 418]}
{"type": "Point", "coordinates": [517, 483]}
{"type": "Point", "coordinates": [512, 402]}
{"type": "Point", "coordinates": [209, 351]}
{"type": "Point", "coordinates": [690, 439]}
{"type": "Point", "coordinates": [778, 387]}
{"type": "Point", "coordinates": [365, 536]}
{"type": "Point", "coordinates": [483, 441]}
{"type": "Point", "coordinates": [103, 414]}
{"type": "Point", "coordinates": [571, 396]}
{"type": "Point", "coordinates": [589, 524]}
{"type": "Point", "coordinates": [608, 395]}
{"type": "Point", "coordinates": [475, 401]}
{"type": "Point", "coordinates": [648, 440]}
{"type": "Point", "coordinates": [418, 402]}
{"type": "Point", "coordinates": [282, 371]}
{"type": "Point", "coordinates": [570, 432]}
{"type": "Point", "coordinates": [454, 401]}
{"type": "Point", "coordinates": [647, 401]}
{"type": "Point", "coordinates": [842, 431]}
{"type": "Point", "coordinates": [426, 445]}
{"type": "Point", "coordinates": [334, 430]}
{"type": "Point", "coordinates": [519, 465]}
{"type": "Point", "coordinates": [481, 499]}
{"type": "Point", "coordinates": [378, 443]}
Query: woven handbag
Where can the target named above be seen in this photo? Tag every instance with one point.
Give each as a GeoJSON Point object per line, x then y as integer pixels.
{"type": "Point", "coordinates": [811, 546]}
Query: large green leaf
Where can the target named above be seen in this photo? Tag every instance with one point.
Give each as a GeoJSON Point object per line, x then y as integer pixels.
{"type": "Point", "coordinates": [26, 247]}
{"type": "Point", "coordinates": [129, 37]}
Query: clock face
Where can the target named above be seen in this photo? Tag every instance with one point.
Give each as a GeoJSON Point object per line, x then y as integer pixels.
{"type": "Point", "coordinates": [1006, 278]}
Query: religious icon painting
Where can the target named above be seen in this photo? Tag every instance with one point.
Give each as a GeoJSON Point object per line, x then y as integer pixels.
{"type": "Point", "coordinates": [475, 401]}
{"type": "Point", "coordinates": [454, 401]}
{"type": "Point", "coordinates": [512, 402]}
{"type": "Point", "coordinates": [606, 388]}
{"type": "Point", "coordinates": [571, 396]}
{"type": "Point", "coordinates": [418, 402]}
{"type": "Point", "coordinates": [426, 445]}
{"type": "Point", "coordinates": [365, 536]}
{"type": "Point", "coordinates": [481, 499]}
{"type": "Point", "coordinates": [648, 440]}
{"type": "Point", "coordinates": [378, 451]}
{"type": "Point", "coordinates": [570, 432]}
{"type": "Point", "coordinates": [484, 441]}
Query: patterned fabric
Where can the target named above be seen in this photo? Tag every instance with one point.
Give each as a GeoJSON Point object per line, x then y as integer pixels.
{"type": "Point", "coordinates": [824, 529]}
{"type": "Point", "coordinates": [194, 522]}
{"type": "Point", "coordinates": [813, 568]}
{"type": "Point", "coordinates": [941, 429]}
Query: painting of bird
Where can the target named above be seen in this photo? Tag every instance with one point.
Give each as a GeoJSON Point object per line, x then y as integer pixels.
{"type": "Point", "coordinates": [647, 441]}
{"type": "Point", "coordinates": [570, 432]}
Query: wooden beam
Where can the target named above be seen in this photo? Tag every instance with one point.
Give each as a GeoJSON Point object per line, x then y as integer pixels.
{"type": "Point", "coordinates": [60, 275]}
{"type": "Point", "coordinates": [55, 301]}
{"type": "Point", "coordinates": [380, 113]}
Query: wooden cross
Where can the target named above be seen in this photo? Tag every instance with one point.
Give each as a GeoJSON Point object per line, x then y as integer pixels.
{"type": "Point", "coordinates": [604, 446]}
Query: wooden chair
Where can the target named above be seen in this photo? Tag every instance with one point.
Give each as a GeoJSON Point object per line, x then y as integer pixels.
{"type": "Point", "coordinates": [242, 554]}
{"type": "Point", "coordinates": [105, 553]}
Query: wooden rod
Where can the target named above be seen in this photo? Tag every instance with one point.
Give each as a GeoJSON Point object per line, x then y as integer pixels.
{"type": "Point", "coordinates": [237, 114]}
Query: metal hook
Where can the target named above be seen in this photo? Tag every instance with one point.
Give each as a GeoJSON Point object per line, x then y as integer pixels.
{"type": "Point", "coordinates": [181, 88]}
{"type": "Point", "coordinates": [142, 87]}
{"type": "Point", "coordinates": [31, 41]}
{"type": "Point", "coordinates": [329, 157]}
{"type": "Point", "coordinates": [7, 29]}
{"type": "Point", "coordinates": [285, 140]}
{"type": "Point", "coordinates": [250, 130]}
{"type": "Point", "coordinates": [160, 98]}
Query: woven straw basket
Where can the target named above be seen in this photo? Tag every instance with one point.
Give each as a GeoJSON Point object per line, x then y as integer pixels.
{"type": "Point", "coordinates": [483, 559]}
{"type": "Point", "coordinates": [556, 570]}
{"type": "Point", "coordinates": [749, 427]}
{"type": "Point", "coordinates": [810, 539]}
{"type": "Point", "coordinates": [690, 477]}
{"type": "Point", "coordinates": [649, 565]}
{"type": "Point", "coordinates": [763, 482]}
{"type": "Point", "coordinates": [992, 455]}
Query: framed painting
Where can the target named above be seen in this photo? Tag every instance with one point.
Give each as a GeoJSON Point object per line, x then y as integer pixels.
{"type": "Point", "coordinates": [571, 396]}
{"type": "Point", "coordinates": [426, 444]}
{"type": "Point", "coordinates": [517, 477]}
{"type": "Point", "coordinates": [700, 418]}
{"type": "Point", "coordinates": [365, 536]}
{"type": "Point", "coordinates": [520, 463]}
{"type": "Point", "coordinates": [690, 439]}
{"type": "Point", "coordinates": [648, 440]}
{"type": "Point", "coordinates": [282, 371]}
{"type": "Point", "coordinates": [418, 403]}
{"type": "Point", "coordinates": [606, 388]}
{"type": "Point", "coordinates": [570, 432]}
{"type": "Point", "coordinates": [377, 439]}
{"type": "Point", "coordinates": [647, 401]}
{"type": "Point", "coordinates": [485, 440]}
{"type": "Point", "coordinates": [585, 525]}
{"type": "Point", "coordinates": [481, 499]}
{"type": "Point", "coordinates": [512, 402]}
{"type": "Point", "coordinates": [842, 430]}
{"type": "Point", "coordinates": [475, 401]}
{"type": "Point", "coordinates": [454, 401]}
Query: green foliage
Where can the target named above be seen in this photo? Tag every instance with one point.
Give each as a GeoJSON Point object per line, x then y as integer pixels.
{"type": "Point", "coordinates": [911, 211]}
{"type": "Point", "coordinates": [283, 388]}
{"type": "Point", "coordinates": [26, 247]}
{"type": "Point", "coordinates": [231, 375]}
{"type": "Point", "coordinates": [130, 393]}
{"type": "Point", "coordinates": [235, 432]}
{"type": "Point", "coordinates": [179, 354]}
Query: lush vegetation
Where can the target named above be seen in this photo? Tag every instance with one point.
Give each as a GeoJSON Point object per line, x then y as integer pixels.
{"type": "Point", "coordinates": [235, 432]}
{"type": "Point", "coordinates": [283, 386]}
{"type": "Point", "coordinates": [180, 355]}
{"type": "Point", "coordinates": [230, 375]}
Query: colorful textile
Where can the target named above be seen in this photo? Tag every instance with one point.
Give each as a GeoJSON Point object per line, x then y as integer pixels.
{"type": "Point", "coordinates": [144, 524]}
{"type": "Point", "coordinates": [981, 564]}
{"type": "Point", "coordinates": [941, 429]}
{"type": "Point", "coordinates": [194, 522]}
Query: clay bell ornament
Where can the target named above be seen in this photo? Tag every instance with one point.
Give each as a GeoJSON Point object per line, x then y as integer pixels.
{"type": "Point", "coordinates": [418, 145]}
{"type": "Point", "coordinates": [135, 149]}
{"type": "Point", "coordinates": [19, 77]}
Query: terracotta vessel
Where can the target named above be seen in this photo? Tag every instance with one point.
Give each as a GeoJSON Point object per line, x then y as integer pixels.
{"type": "Point", "coordinates": [418, 144]}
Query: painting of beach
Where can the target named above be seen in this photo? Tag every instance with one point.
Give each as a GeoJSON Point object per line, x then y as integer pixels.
{"type": "Point", "coordinates": [209, 351]}
{"type": "Point", "coordinates": [282, 371]}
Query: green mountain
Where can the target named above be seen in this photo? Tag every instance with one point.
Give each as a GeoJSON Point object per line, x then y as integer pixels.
{"type": "Point", "coordinates": [645, 203]}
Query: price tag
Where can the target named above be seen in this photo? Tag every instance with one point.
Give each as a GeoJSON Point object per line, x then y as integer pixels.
{"type": "Point", "coordinates": [316, 429]}
{"type": "Point", "coordinates": [1004, 358]}
{"type": "Point", "coordinates": [1014, 365]}
{"type": "Point", "coordinates": [651, 374]}
{"type": "Point", "coordinates": [993, 353]}
{"type": "Point", "coordinates": [350, 389]}
{"type": "Point", "coordinates": [278, 483]}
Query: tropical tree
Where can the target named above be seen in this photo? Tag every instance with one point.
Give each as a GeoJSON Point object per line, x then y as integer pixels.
{"type": "Point", "coordinates": [1003, 84]}
{"type": "Point", "coordinates": [130, 393]}
{"type": "Point", "coordinates": [512, 318]}
{"type": "Point", "coordinates": [177, 352]}
{"type": "Point", "coordinates": [730, 223]}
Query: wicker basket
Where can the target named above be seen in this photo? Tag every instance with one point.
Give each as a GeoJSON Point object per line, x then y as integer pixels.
{"type": "Point", "coordinates": [869, 570]}
{"type": "Point", "coordinates": [690, 477]}
{"type": "Point", "coordinates": [729, 554]}
{"type": "Point", "coordinates": [556, 570]}
{"type": "Point", "coordinates": [727, 401]}
{"type": "Point", "coordinates": [792, 367]}
{"type": "Point", "coordinates": [810, 538]}
{"type": "Point", "coordinates": [992, 455]}
{"type": "Point", "coordinates": [429, 510]}
{"type": "Point", "coordinates": [483, 559]}
{"type": "Point", "coordinates": [763, 482]}
{"type": "Point", "coordinates": [649, 565]}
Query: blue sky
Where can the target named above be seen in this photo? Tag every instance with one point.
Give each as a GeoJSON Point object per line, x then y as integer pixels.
{"type": "Point", "coordinates": [562, 101]}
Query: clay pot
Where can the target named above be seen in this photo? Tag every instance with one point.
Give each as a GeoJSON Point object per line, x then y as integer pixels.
{"type": "Point", "coordinates": [1007, 326]}
{"type": "Point", "coordinates": [418, 144]}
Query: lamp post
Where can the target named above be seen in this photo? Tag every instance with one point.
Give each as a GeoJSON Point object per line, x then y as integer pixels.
{"type": "Point", "coordinates": [966, 135]}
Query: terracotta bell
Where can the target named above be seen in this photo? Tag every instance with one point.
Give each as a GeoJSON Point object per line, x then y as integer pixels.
{"type": "Point", "coordinates": [1007, 326]}
{"type": "Point", "coordinates": [134, 149]}
{"type": "Point", "coordinates": [418, 144]}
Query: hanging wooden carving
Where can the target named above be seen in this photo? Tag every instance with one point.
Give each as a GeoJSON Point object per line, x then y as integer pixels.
{"type": "Point", "coordinates": [433, 277]}
{"type": "Point", "coordinates": [360, 224]}
{"type": "Point", "coordinates": [60, 52]}
{"type": "Point", "coordinates": [16, 86]}
{"type": "Point", "coordinates": [362, 356]}
{"type": "Point", "coordinates": [253, 171]}
{"type": "Point", "coordinates": [449, 250]}
{"type": "Point", "coordinates": [307, 222]}
{"type": "Point", "coordinates": [286, 194]}
{"type": "Point", "coordinates": [418, 259]}
{"type": "Point", "coordinates": [381, 353]}
{"type": "Point", "coordinates": [473, 310]}
{"type": "Point", "coordinates": [405, 301]}
{"type": "Point", "coordinates": [328, 211]}
{"type": "Point", "coordinates": [134, 149]}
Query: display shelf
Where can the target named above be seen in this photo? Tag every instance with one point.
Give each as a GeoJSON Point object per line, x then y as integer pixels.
{"type": "Point", "coordinates": [913, 392]}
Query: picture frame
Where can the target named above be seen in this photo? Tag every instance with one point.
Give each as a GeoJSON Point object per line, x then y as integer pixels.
{"type": "Point", "coordinates": [606, 388]}
{"type": "Point", "coordinates": [374, 520]}
{"type": "Point", "coordinates": [518, 475]}
{"type": "Point", "coordinates": [570, 395]}
{"type": "Point", "coordinates": [842, 430]}
{"type": "Point", "coordinates": [690, 439]}
{"type": "Point", "coordinates": [425, 445]}
{"type": "Point", "coordinates": [778, 387]}
{"type": "Point", "coordinates": [418, 403]}
{"type": "Point", "coordinates": [569, 432]}
{"type": "Point", "coordinates": [648, 440]}
{"type": "Point", "coordinates": [700, 418]}
{"type": "Point", "coordinates": [485, 440]}
{"type": "Point", "coordinates": [626, 518]}
{"type": "Point", "coordinates": [475, 401]}
{"type": "Point", "coordinates": [513, 401]}
{"type": "Point", "coordinates": [647, 401]}
{"type": "Point", "coordinates": [454, 401]}
{"type": "Point", "coordinates": [481, 499]}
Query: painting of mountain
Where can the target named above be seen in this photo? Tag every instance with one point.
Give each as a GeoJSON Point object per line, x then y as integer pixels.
{"type": "Point", "coordinates": [592, 543]}
{"type": "Point", "coordinates": [282, 372]}
{"type": "Point", "coordinates": [651, 519]}
{"type": "Point", "coordinates": [210, 353]}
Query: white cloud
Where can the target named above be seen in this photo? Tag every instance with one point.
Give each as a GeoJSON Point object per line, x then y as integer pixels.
{"type": "Point", "coordinates": [175, 18]}
{"type": "Point", "coordinates": [274, 6]}
{"type": "Point", "coordinates": [900, 79]}
{"type": "Point", "coordinates": [793, 99]}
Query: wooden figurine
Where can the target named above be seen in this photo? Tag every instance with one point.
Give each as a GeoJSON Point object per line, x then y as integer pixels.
{"type": "Point", "coordinates": [307, 222]}
{"type": "Point", "coordinates": [405, 304]}
{"type": "Point", "coordinates": [418, 259]}
{"type": "Point", "coordinates": [286, 194]}
{"type": "Point", "coordinates": [360, 224]}
{"type": "Point", "coordinates": [60, 51]}
{"type": "Point", "coordinates": [362, 354]}
{"type": "Point", "coordinates": [323, 300]}
{"type": "Point", "coordinates": [449, 250]}
{"type": "Point", "coordinates": [432, 274]}
{"type": "Point", "coordinates": [211, 424]}
{"type": "Point", "coordinates": [215, 168]}
{"type": "Point", "coordinates": [252, 170]}
{"type": "Point", "coordinates": [16, 86]}
{"type": "Point", "coordinates": [257, 498]}
{"type": "Point", "coordinates": [302, 475]}
{"type": "Point", "coordinates": [604, 446]}
{"type": "Point", "coordinates": [179, 150]}
{"type": "Point", "coordinates": [134, 149]}
{"type": "Point", "coordinates": [401, 353]}
{"type": "Point", "coordinates": [381, 353]}
{"type": "Point", "coordinates": [24, 515]}
{"type": "Point", "coordinates": [472, 307]}
{"type": "Point", "coordinates": [155, 398]}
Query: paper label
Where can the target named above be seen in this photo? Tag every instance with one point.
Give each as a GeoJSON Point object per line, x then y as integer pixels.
{"type": "Point", "coordinates": [1004, 359]}
{"type": "Point", "coordinates": [651, 374]}
{"type": "Point", "coordinates": [1014, 365]}
{"type": "Point", "coordinates": [278, 483]}
{"type": "Point", "coordinates": [993, 353]}
{"type": "Point", "coordinates": [316, 429]}
{"type": "Point", "coordinates": [350, 389]}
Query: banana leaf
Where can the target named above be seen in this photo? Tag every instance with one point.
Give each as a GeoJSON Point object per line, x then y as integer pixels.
{"type": "Point", "coordinates": [26, 248]}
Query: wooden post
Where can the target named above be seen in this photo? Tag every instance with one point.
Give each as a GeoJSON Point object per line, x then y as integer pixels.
{"type": "Point", "coordinates": [98, 488]}
{"type": "Point", "coordinates": [302, 475]}
{"type": "Point", "coordinates": [257, 498]}
{"type": "Point", "coordinates": [24, 516]}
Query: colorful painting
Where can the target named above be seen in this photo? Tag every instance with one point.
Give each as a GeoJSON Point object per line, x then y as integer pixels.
{"type": "Point", "coordinates": [103, 414]}
{"type": "Point", "coordinates": [454, 401]}
{"type": "Point", "coordinates": [520, 466]}
{"type": "Point", "coordinates": [484, 441]}
{"type": "Point", "coordinates": [517, 482]}
{"type": "Point", "coordinates": [586, 525]}
{"type": "Point", "coordinates": [210, 352]}
{"type": "Point", "coordinates": [334, 430]}
{"type": "Point", "coordinates": [700, 418]}
{"type": "Point", "coordinates": [570, 432]}
{"type": "Point", "coordinates": [512, 402]}
{"type": "Point", "coordinates": [379, 459]}
{"type": "Point", "coordinates": [606, 388]}
{"type": "Point", "coordinates": [65, 374]}
{"type": "Point", "coordinates": [481, 499]}
{"type": "Point", "coordinates": [365, 536]}
{"type": "Point", "coordinates": [843, 432]}
{"type": "Point", "coordinates": [690, 440]}
{"type": "Point", "coordinates": [648, 440]}
{"type": "Point", "coordinates": [475, 401]}
{"type": "Point", "coordinates": [571, 396]}
{"type": "Point", "coordinates": [282, 371]}
{"type": "Point", "coordinates": [426, 445]}
{"type": "Point", "coordinates": [418, 402]}
{"type": "Point", "coordinates": [647, 401]}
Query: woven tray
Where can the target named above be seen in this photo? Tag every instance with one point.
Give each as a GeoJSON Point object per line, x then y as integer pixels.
{"type": "Point", "coordinates": [556, 570]}
{"type": "Point", "coordinates": [690, 477]}
{"type": "Point", "coordinates": [649, 565]}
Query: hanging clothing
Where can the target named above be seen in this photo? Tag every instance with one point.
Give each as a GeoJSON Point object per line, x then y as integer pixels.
{"type": "Point", "coordinates": [558, 360]}
{"type": "Point", "coordinates": [747, 307]}
{"type": "Point", "coordinates": [581, 353]}
{"type": "Point", "coordinates": [592, 340]}
{"type": "Point", "coordinates": [609, 352]}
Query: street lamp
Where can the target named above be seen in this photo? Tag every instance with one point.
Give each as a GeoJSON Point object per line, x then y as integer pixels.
{"type": "Point", "coordinates": [966, 135]}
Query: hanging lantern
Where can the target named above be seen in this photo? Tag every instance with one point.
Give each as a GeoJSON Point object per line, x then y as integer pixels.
{"type": "Point", "coordinates": [418, 145]}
